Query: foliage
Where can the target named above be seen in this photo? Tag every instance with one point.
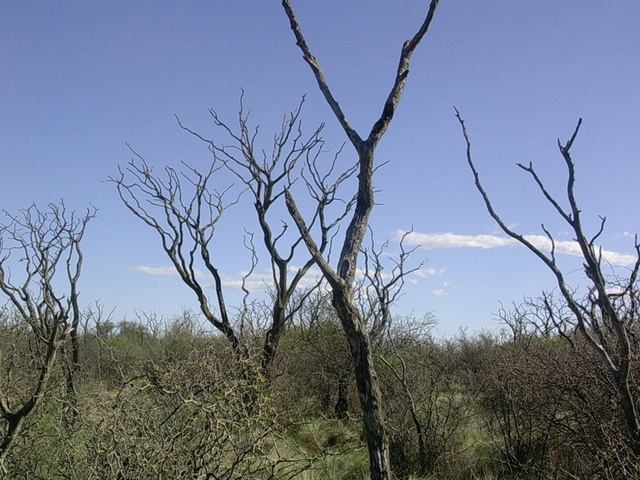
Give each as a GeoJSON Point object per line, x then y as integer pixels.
{"type": "Point", "coordinates": [168, 399]}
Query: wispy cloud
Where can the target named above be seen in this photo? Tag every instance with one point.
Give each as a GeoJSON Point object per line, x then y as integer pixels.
{"type": "Point", "coordinates": [442, 291]}
{"type": "Point", "coordinates": [156, 271]}
{"type": "Point", "coordinates": [416, 276]}
{"type": "Point", "coordinates": [257, 281]}
{"type": "Point", "coordinates": [260, 281]}
{"type": "Point", "coordinates": [429, 272]}
{"type": "Point", "coordinates": [433, 241]}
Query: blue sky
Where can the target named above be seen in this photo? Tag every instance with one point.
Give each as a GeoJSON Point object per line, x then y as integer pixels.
{"type": "Point", "coordinates": [78, 79]}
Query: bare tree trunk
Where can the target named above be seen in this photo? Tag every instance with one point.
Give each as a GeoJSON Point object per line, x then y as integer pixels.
{"type": "Point", "coordinates": [367, 383]}
{"type": "Point", "coordinates": [628, 404]}
{"type": "Point", "coordinates": [361, 354]}
{"type": "Point", "coordinates": [15, 419]}
{"type": "Point", "coordinates": [14, 424]}
{"type": "Point", "coordinates": [342, 402]}
{"type": "Point", "coordinates": [342, 278]}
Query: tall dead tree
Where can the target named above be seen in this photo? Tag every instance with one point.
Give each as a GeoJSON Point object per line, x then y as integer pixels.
{"type": "Point", "coordinates": [46, 245]}
{"type": "Point", "coordinates": [267, 177]}
{"type": "Point", "coordinates": [607, 316]}
{"type": "Point", "coordinates": [185, 218]}
{"type": "Point", "coordinates": [184, 210]}
{"type": "Point", "coordinates": [341, 279]}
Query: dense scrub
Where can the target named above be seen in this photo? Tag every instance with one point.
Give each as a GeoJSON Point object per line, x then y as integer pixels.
{"type": "Point", "coordinates": [158, 399]}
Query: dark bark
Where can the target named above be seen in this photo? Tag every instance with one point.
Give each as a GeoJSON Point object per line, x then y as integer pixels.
{"type": "Point", "coordinates": [342, 278]}
{"type": "Point", "coordinates": [601, 324]}
{"type": "Point", "coordinates": [341, 408]}
{"type": "Point", "coordinates": [361, 354]}
{"type": "Point", "coordinates": [266, 178]}
{"type": "Point", "coordinates": [186, 226]}
{"type": "Point", "coordinates": [366, 381]}
{"type": "Point", "coordinates": [46, 240]}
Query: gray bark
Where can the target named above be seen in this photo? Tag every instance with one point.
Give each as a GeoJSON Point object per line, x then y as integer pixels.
{"type": "Point", "coordinates": [342, 279]}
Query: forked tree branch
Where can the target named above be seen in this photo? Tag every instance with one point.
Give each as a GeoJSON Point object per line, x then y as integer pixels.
{"type": "Point", "coordinates": [185, 222]}
{"type": "Point", "coordinates": [343, 277]}
{"type": "Point", "coordinates": [605, 327]}
{"type": "Point", "coordinates": [356, 230]}
{"type": "Point", "coordinates": [381, 125]}
{"type": "Point", "coordinates": [549, 261]}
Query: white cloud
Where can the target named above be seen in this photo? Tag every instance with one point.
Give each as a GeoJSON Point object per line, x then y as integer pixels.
{"type": "Point", "coordinates": [442, 291]}
{"type": "Point", "coordinates": [432, 241]}
{"type": "Point", "coordinates": [429, 272]}
{"type": "Point", "coordinates": [162, 271]}
{"type": "Point", "coordinates": [258, 281]}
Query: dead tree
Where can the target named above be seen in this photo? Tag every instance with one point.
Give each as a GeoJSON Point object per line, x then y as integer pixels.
{"type": "Point", "coordinates": [608, 315]}
{"type": "Point", "coordinates": [186, 221]}
{"type": "Point", "coordinates": [46, 243]}
{"type": "Point", "coordinates": [184, 210]}
{"type": "Point", "coordinates": [379, 292]}
{"type": "Point", "coordinates": [341, 279]}
{"type": "Point", "coordinates": [267, 177]}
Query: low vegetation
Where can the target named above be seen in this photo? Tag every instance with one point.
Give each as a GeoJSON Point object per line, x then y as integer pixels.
{"type": "Point", "coordinates": [160, 398]}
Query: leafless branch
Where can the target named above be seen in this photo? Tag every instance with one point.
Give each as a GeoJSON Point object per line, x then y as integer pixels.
{"type": "Point", "coordinates": [47, 242]}
{"type": "Point", "coordinates": [268, 177]}
{"type": "Point", "coordinates": [380, 290]}
{"type": "Point", "coordinates": [184, 211]}
{"type": "Point", "coordinates": [600, 318]}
